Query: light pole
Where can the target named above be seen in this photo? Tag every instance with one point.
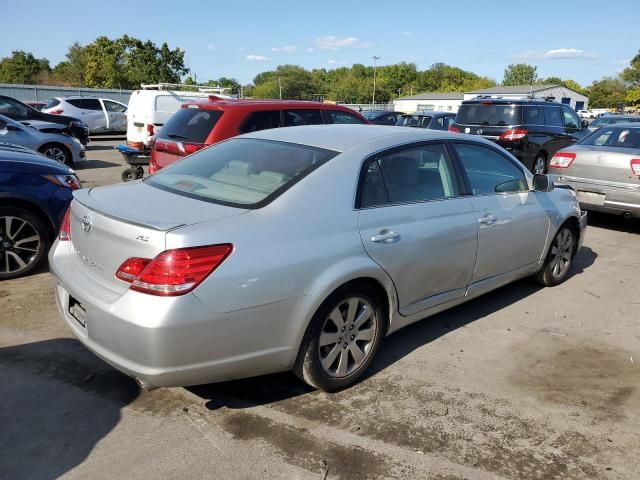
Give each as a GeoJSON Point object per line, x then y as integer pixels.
{"type": "Point", "coordinates": [375, 60]}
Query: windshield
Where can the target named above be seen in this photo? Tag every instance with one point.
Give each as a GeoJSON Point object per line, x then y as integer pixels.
{"type": "Point", "coordinates": [617, 137]}
{"type": "Point", "coordinates": [414, 121]}
{"type": "Point", "coordinates": [494, 114]}
{"type": "Point", "coordinates": [192, 124]}
{"type": "Point", "coordinates": [241, 172]}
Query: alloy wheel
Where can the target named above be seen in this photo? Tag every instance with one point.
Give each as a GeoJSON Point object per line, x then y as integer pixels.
{"type": "Point", "coordinates": [561, 252]}
{"type": "Point", "coordinates": [20, 244]}
{"type": "Point", "coordinates": [347, 337]}
{"type": "Point", "coordinates": [56, 153]}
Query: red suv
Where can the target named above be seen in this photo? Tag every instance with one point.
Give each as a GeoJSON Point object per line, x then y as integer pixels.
{"type": "Point", "coordinates": [199, 124]}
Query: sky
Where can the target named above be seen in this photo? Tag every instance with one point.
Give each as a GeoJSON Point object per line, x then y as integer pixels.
{"type": "Point", "coordinates": [581, 40]}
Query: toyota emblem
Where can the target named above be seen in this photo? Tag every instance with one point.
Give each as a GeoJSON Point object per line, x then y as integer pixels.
{"type": "Point", "coordinates": [86, 223]}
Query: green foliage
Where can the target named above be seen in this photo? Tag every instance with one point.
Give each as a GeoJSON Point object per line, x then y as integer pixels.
{"type": "Point", "coordinates": [520, 74]}
{"type": "Point", "coordinates": [631, 78]}
{"type": "Point", "coordinates": [607, 93]}
{"type": "Point", "coordinates": [22, 67]}
{"type": "Point", "coordinates": [295, 82]}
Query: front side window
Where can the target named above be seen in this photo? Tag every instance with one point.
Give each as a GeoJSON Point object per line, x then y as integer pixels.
{"type": "Point", "coordinates": [570, 119]}
{"type": "Point", "coordinates": [299, 117]}
{"type": "Point", "coordinates": [114, 106]}
{"type": "Point", "coordinates": [241, 172]}
{"type": "Point", "coordinates": [263, 120]}
{"type": "Point", "coordinates": [338, 116]}
{"type": "Point", "coordinates": [409, 175]}
{"type": "Point", "coordinates": [13, 109]}
{"type": "Point", "coordinates": [488, 171]}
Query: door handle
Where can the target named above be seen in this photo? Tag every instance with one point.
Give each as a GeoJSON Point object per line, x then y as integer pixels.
{"type": "Point", "coordinates": [385, 236]}
{"type": "Point", "coordinates": [488, 219]}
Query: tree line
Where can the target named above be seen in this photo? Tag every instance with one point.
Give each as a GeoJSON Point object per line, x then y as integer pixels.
{"type": "Point", "coordinates": [127, 62]}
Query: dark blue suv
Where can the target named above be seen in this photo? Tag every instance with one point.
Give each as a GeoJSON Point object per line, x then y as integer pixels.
{"type": "Point", "coordinates": [35, 193]}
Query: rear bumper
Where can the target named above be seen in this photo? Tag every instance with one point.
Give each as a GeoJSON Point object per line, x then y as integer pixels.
{"type": "Point", "coordinates": [171, 341]}
{"type": "Point", "coordinates": [619, 198]}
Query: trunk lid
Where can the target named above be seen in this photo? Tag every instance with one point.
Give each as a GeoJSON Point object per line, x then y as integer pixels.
{"type": "Point", "coordinates": [111, 224]}
{"type": "Point", "coordinates": [603, 163]}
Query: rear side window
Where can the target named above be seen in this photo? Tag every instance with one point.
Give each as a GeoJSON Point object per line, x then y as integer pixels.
{"type": "Point", "coordinates": [298, 117]}
{"type": "Point", "coordinates": [533, 115]}
{"type": "Point", "coordinates": [54, 102]}
{"type": "Point", "coordinates": [338, 116]}
{"type": "Point", "coordinates": [241, 172]}
{"type": "Point", "coordinates": [488, 171]}
{"type": "Point", "coordinates": [86, 103]}
{"type": "Point", "coordinates": [192, 124]}
{"type": "Point", "coordinates": [553, 116]}
{"type": "Point", "coordinates": [261, 121]}
{"type": "Point", "coordinates": [494, 114]}
{"type": "Point", "coordinates": [414, 121]}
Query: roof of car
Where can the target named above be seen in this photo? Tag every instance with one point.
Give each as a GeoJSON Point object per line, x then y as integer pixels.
{"type": "Point", "coordinates": [343, 137]}
{"type": "Point", "coordinates": [251, 103]}
{"type": "Point", "coordinates": [520, 101]}
{"type": "Point", "coordinates": [430, 113]}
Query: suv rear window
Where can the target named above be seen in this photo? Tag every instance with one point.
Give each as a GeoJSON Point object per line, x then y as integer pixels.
{"type": "Point", "coordinates": [193, 124]}
{"type": "Point", "coordinates": [245, 173]}
{"type": "Point", "coordinates": [494, 114]}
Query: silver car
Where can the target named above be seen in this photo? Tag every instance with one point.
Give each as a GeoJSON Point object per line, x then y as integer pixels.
{"type": "Point", "coordinates": [102, 115]}
{"type": "Point", "coordinates": [49, 139]}
{"type": "Point", "coordinates": [604, 169]}
{"type": "Point", "coordinates": [300, 248]}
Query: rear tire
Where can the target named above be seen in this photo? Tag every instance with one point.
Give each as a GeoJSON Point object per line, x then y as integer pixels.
{"type": "Point", "coordinates": [559, 259]}
{"type": "Point", "coordinates": [341, 339]}
{"type": "Point", "coordinates": [57, 151]}
{"type": "Point", "coordinates": [24, 242]}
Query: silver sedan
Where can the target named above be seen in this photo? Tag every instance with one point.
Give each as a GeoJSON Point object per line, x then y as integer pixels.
{"type": "Point", "coordinates": [301, 248]}
{"type": "Point", "coordinates": [604, 169]}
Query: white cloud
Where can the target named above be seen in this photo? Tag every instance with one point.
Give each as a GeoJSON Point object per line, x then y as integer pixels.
{"type": "Point", "coordinates": [407, 33]}
{"type": "Point", "coordinates": [331, 42]}
{"type": "Point", "coordinates": [257, 58]}
{"type": "Point", "coordinates": [211, 47]}
{"type": "Point", "coordinates": [555, 54]}
{"type": "Point", "coordinates": [286, 49]}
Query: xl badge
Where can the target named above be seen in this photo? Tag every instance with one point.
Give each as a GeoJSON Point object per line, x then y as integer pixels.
{"type": "Point", "coordinates": [86, 223]}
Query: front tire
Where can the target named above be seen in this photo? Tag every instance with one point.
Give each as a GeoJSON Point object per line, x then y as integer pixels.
{"type": "Point", "coordinates": [56, 151]}
{"type": "Point", "coordinates": [559, 258]}
{"type": "Point", "coordinates": [342, 338]}
{"type": "Point", "coordinates": [24, 242]}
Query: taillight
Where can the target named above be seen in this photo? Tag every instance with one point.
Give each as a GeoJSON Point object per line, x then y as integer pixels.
{"type": "Point", "coordinates": [516, 134]}
{"type": "Point", "coordinates": [56, 112]}
{"type": "Point", "coordinates": [562, 159]}
{"type": "Point", "coordinates": [454, 129]}
{"type": "Point", "coordinates": [190, 148]}
{"type": "Point", "coordinates": [173, 272]}
{"type": "Point", "coordinates": [65, 227]}
{"type": "Point", "coordinates": [635, 166]}
{"type": "Point", "coordinates": [150, 129]}
{"type": "Point", "coordinates": [69, 181]}
{"type": "Point", "coordinates": [153, 165]}
{"type": "Point", "coordinates": [177, 148]}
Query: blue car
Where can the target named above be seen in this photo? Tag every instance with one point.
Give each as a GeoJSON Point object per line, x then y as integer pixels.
{"type": "Point", "coordinates": [35, 193]}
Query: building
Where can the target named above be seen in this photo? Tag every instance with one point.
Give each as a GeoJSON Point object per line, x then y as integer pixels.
{"type": "Point", "coordinates": [557, 93]}
{"type": "Point", "coordinates": [446, 102]}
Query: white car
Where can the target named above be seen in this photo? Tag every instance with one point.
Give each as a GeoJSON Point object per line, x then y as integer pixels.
{"type": "Point", "coordinates": [101, 115]}
{"type": "Point", "coordinates": [586, 114]}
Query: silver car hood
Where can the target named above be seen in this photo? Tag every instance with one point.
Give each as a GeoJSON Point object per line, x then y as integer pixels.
{"type": "Point", "coordinates": [142, 204]}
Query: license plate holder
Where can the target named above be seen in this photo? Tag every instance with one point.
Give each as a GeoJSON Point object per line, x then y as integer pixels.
{"type": "Point", "coordinates": [591, 198]}
{"type": "Point", "coordinates": [77, 311]}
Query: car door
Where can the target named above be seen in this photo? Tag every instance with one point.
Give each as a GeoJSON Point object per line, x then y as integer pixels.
{"type": "Point", "coordinates": [573, 126]}
{"type": "Point", "coordinates": [416, 225]}
{"type": "Point", "coordinates": [91, 112]}
{"type": "Point", "coordinates": [116, 115]}
{"type": "Point", "coordinates": [513, 223]}
{"type": "Point", "coordinates": [558, 137]}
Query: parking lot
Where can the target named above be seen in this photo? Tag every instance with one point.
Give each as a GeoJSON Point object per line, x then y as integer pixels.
{"type": "Point", "coordinates": [522, 383]}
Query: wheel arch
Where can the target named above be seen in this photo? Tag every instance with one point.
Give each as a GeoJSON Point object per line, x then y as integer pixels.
{"type": "Point", "coordinates": [44, 146]}
{"type": "Point", "coordinates": [37, 210]}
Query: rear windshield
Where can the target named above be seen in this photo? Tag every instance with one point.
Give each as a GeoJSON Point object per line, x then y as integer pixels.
{"type": "Point", "coordinates": [494, 114]}
{"type": "Point", "coordinates": [617, 137]}
{"type": "Point", "coordinates": [240, 172]}
{"type": "Point", "coordinates": [54, 102]}
{"type": "Point", "coordinates": [191, 124]}
{"type": "Point", "coordinates": [413, 121]}
{"type": "Point", "coordinates": [613, 119]}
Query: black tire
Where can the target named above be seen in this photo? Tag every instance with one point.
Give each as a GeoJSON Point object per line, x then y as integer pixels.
{"type": "Point", "coordinates": [539, 162]}
{"type": "Point", "coordinates": [50, 150]}
{"type": "Point", "coordinates": [14, 246]}
{"type": "Point", "coordinates": [309, 364]}
{"type": "Point", "coordinates": [559, 259]}
{"type": "Point", "coordinates": [139, 172]}
{"type": "Point", "coordinates": [129, 175]}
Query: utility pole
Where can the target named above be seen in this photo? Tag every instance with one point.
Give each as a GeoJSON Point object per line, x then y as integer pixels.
{"type": "Point", "coordinates": [375, 65]}
{"type": "Point", "coordinates": [280, 87]}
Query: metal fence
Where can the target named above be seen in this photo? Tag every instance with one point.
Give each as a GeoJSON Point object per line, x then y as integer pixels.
{"type": "Point", "coordinates": [365, 107]}
{"type": "Point", "coordinates": [42, 93]}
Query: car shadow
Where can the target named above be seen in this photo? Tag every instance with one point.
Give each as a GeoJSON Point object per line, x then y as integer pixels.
{"type": "Point", "coordinates": [267, 389]}
{"type": "Point", "coordinates": [87, 164]}
{"type": "Point", "coordinates": [58, 402]}
{"type": "Point", "coordinates": [614, 222]}
{"type": "Point", "coordinates": [106, 136]}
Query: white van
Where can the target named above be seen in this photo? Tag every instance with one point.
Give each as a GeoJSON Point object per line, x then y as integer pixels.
{"type": "Point", "coordinates": [150, 108]}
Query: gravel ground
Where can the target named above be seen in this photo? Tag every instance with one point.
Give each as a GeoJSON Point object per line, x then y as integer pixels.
{"type": "Point", "coordinates": [523, 383]}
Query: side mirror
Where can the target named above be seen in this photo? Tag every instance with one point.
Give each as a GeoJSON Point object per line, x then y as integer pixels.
{"type": "Point", "coordinates": [542, 183]}
{"type": "Point", "coordinates": [585, 124]}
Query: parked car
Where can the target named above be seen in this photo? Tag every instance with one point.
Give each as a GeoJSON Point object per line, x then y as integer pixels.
{"type": "Point", "coordinates": [532, 130]}
{"type": "Point", "coordinates": [382, 117]}
{"type": "Point", "coordinates": [148, 110]}
{"type": "Point", "coordinates": [37, 105]}
{"type": "Point", "coordinates": [300, 248]}
{"type": "Point", "coordinates": [604, 169]}
{"type": "Point", "coordinates": [612, 119]}
{"type": "Point", "coordinates": [585, 114]}
{"type": "Point", "coordinates": [60, 146]}
{"type": "Point", "coordinates": [35, 193]}
{"type": "Point", "coordinates": [102, 115]}
{"type": "Point", "coordinates": [18, 111]}
{"type": "Point", "coordinates": [427, 119]}
{"type": "Point", "coordinates": [197, 125]}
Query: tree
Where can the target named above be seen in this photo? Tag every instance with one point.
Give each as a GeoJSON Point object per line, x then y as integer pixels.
{"type": "Point", "coordinates": [22, 67]}
{"type": "Point", "coordinates": [520, 74]}
{"type": "Point", "coordinates": [72, 70]}
{"type": "Point", "coordinates": [607, 93]}
{"type": "Point", "coordinates": [631, 77]}
{"type": "Point", "coordinates": [440, 77]}
{"type": "Point", "coordinates": [295, 82]}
